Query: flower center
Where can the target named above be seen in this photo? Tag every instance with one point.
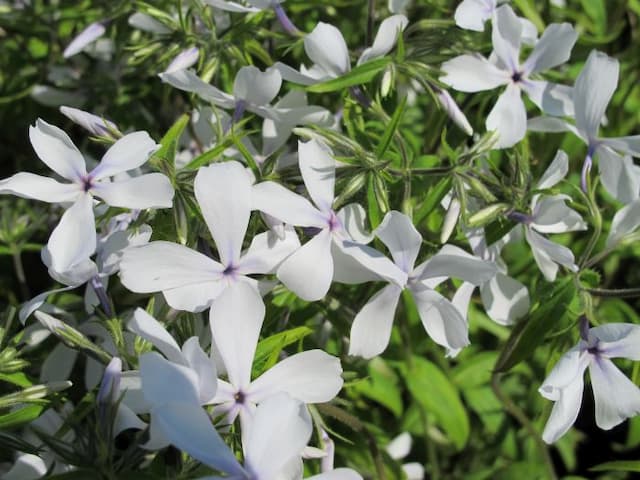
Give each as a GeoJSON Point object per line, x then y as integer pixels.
{"type": "Point", "coordinates": [334, 222]}
{"type": "Point", "coordinates": [230, 271]}
{"type": "Point", "coordinates": [87, 183]}
{"type": "Point", "coordinates": [240, 397]}
{"type": "Point", "coordinates": [516, 77]}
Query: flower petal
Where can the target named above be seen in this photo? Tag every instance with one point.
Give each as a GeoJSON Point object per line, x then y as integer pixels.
{"type": "Point", "coordinates": [353, 220]}
{"type": "Point", "coordinates": [616, 397]}
{"type": "Point", "coordinates": [128, 153]}
{"type": "Point", "coordinates": [318, 170]}
{"type": "Point", "coordinates": [508, 117]}
{"type": "Point", "coordinates": [267, 252]}
{"type": "Point", "coordinates": [618, 174]}
{"type": "Point", "coordinates": [452, 261]}
{"type": "Point", "coordinates": [506, 36]}
{"type": "Point", "coordinates": [593, 91]}
{"type": "Point", "coordinates": [152, 190]}
{"type": "Point", "coordinates": [205, 369]}
{"type": "Point", "coordinates": [551, 98]}
{"type": "Point", "coordinates": [548, 254]}
{"type": "Point", "coordinates": [401, 238]}
{"type": "Point", "coordinates": [565, 410]}
{"type": "Point", "coordinates": [553, 48]}
{"type": "Point", "coordinates": [618, 340]}
{"type": "Point", "coordinates": [147, 327]}
{"type": "Point", "coordinates": [505, 299]}
{"type": "Point", "coordinates": [314, 256]}
{"type": "Point", "coordinates": [325, 46]}
{"type": "Point", "coordinates": [472, 14]}
{"type": "Point", "coordinates": [90, 34]}
{"type": "Point", "coordinates": [195, 297]}
{"type": "Point", "coordinates": [57, 151]}
{"type": "Point", "coordinates": [236, 319]}
{"type": "Point", "coordinates": [552, 215]}
{"type": "Point", "coordinates": [275, 200]}
{"type": "Point", "coordinates": [26, 467]}
{"type": "Point", "coordinates": [45, 189]}
{"type": "Point", "coordinates": [223, 191]}
{"type": "Point", "coordinates": [256, 87]}
{"type": "Point", "coordinates": [629, 145]}
{"type": "Point", "coordinates": [386, 38]}
{"type": "Point", "coordinates": [161, 265]}
{"type": "Point", "coordinates": [472, 73]}
{"type": "Point", "coordinates": [554, 172]}
{"type": "Point", "coordinates": [312, 376]}
{"type": "Point", "coordinates": [625, 221]}
{"type": "Point", "coordinates": [157, 373]}
{"type": "Point", "coordinates": [354, 263]}
{"type": "Point", "coordinates": [371, 329]}
{"type": "Point", "coordinates": [188, 81]}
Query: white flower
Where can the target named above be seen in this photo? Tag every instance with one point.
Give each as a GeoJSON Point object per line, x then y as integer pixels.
{"type": "Point", "coordinates": [616, 397]}
{"type": "Point", "coordinates": [472, 15]}
{"type": "Point", "coordinates": [89, 35]}
{"type": "Point", "coordinates": [474, 73]}
{"type": "Point", "coordinates": [93, 123]}
{"type": "Point", "coordinates": [185, 59]}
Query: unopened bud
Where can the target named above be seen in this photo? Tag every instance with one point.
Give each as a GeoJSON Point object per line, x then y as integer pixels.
{"type": "Point", "coordinates": [487, 215]}
{"type": "Point", "coordinates": [451, 108]}
{"type": "Point", "coordinates": [450, 220]}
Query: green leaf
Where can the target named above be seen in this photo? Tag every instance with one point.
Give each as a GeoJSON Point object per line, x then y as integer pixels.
{"type": "Point", "coordinates": [375, 217]}
{"type": "Point", "coordinates": [553, 308]}
{"type": "Point", "coordinates": [359, 75]}
{"type": "Point", "coordinates": [498, 229]}
{"type": "Point", "coordinates": [20, 417]}
{"type": "Point", "coordinates": [169, 145]}
{"type": "Point", "coordinates": [439, 397]}
{"type": "Point", "coordinates": [619, 466]}
{"type": "Point", "coordinates": [269, 349]}
{"type": "Point", "coordinates": [381, 386]}
{"type": "Point", "coordinates": [434, 196]}
{"type": "Point", "coordinates": [597, 11]}
{"type": "Point", "coordinates": [385, 141]}
{"type": "Point", "coordinates": [9, 442]}
{"type": "Point", "coordinates": [18, 378]}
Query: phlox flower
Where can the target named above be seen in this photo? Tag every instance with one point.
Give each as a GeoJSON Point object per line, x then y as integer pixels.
{"type": "Point", "coordinates": [616, 397]}
{"type": "Point", "coordinates": [474, 73]}
{"type": "Point", "coordinates": [399, 448]}
{"type": "Point", "coordinates": [592, 93]}
{"type": "Point", "coordinates": [93, 123]}
{"type": "Point", "coordinates": [256, 6]}
{"type": "Point", "coordinates": [371, 328]}
{"type": "Point", "coordinates": [73, 241]}
{"type": "Point", "coordinates": [89, 35]}
{"type": "Point", "coordinates": [190, 280]}
{"type": "Point", "coordinates": [472, 15]}
{"type": "Point", "coordinates": [185, 59]}
{"type": "Point", "coordinates": [323, 253]}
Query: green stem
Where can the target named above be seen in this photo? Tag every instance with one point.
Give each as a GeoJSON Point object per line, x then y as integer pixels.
{"type": "Point", "coordinates": [614, 293]}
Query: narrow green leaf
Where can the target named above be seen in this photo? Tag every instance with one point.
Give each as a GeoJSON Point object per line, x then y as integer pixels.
{"type": "Point", "coordinates": [10, 442]}
{"type": "Point", "coordinates": [434, 196]}
{"type": "Point", "coordinates": [385, 141]}
{"type": "Point", "coordinates": [270, 347]}
{"type": "Point", "coordinates": [619, 466]}
{"type": "Point", "coordinates": [169, 145]}
{"type": "Point", "coordinates": [20, 417]}
{"type": "Point", "coordinates": [359, 75]}
{"type": "Point", "coordinates": [372, 204]}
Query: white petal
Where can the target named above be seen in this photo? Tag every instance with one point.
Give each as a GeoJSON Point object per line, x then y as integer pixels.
{"type": "Point", "coordinates": [625, 221]}
{"type": "Point", "coordinates": [615, 396]}
{"type": "Point", "coordinates": [505, 299]}
{"type": "Point", "coordinates": [555, 172]}
{"type": "Point", "coordinates": [164, 381]}
{"type": "Point", "coordinates": [256, 87]}
{"type": "Point", "coordinates": [185, 59]}
{"type": "Point", "coordinates": [552, 215]}
{"type": "Point", "coordinates": [26, 467]}
{"type": "Point", "coordinates": [472, 14]}
{"type": "Point", "coordinates": [205, 369]}
{"type": "Point", "coordinates": [236, 318]}
{"type": "Point", "coordinates": [453, 111]}
{"type": "Point", "coordinates": [275, 200]}
{"type": "Point", "coordinates": [629, 145]}
{"type": "Point", "coordinates": [472, 73]}
{"type": "Point", "coordinates": [131, 385]}
{"type": "Point", "coordinates": [551, 98]}
{"type": "Point", "coordinates": [337, 474]}
{"type": "Point", "coordinates": [164, 265]}
{"type": "Point", "coordinates": [294, 76]}
{"type": "Point", "coordinates": [223, 191]}
{"type": "Point", "coordinates": [506, 36]}
{"type": "Point", "coordinates": [548, 254]}
{"type": "Point", "coordinates": [401, 238]}
{"type": "Point", "coordinates": [36, 302]}
{"type": "Point", "coordinates": [386, 38]}
{"type": "Point", "coordinates": [126, 419]}
{"type": "Point", "coordinates": [400, 447]}
{"type": "Point", "coordinates": [46, 189]}
{"type": "Point", "coordinates": [152, 190]}
{"type": "Point", "coordinates": [84, 38]}
{"type": "Point", "coordinates": [442, 321]}
{"type": "Point", "coordinates": [569, 369]}
{"type": "Point", "coordinates": [188, 81]}
{"type": "Point", "coordinates": [147, 23]}
{"type": "Point", "coordinates": [147, 327]}
{"type": "Point", "coordinates": [195, 297]}
{"type": "Point", "coordinates": [128, 153]}
{"type": "Point", "coordinates": [508, 117]}
{"type": "Point", "coordinates": [618, 340]}
{"type": "Point", "coordinates": [353, 219]}
{"type": "Point", "coordinates": [267, 252]}
{"type": "Point", "coordinates": [618, 174]}
{"type": "Point", "coordinates": [74, 239]}
{"type": "Point", "coordinates": [354, 263]}
{"type": "Point", "coordinates": [565, 410]}
{"type": "Point", "coordinates": [189, 428]}
{"type": "Point", "coordinates": [311, 377]}
{"type": "Point", "coordinates": [57, 151]}
{"type": "Point", "coordinates": [553, 48]}
{"type": "Point", "coordinates": [593, 91]}
{"type": "Point", "coordinates": [371, 329]}
{"type": "Point", "coordinates": [280, 430]}
{"type": "Point", "coordinates": [325, 45]}
{"type": "Point", "coordinates": [452, 261]}
{"type": "Point", "coordinates": [230, 6]}
{"type": "Point", "coordinates": [553, 125]}
{"type": "Point", "coordinates": [58, 364]}
{"type": "Point", "coordinates": [318, 172]}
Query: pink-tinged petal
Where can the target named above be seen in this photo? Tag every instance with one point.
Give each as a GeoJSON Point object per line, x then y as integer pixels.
{"type": "Point", "coordinates": [506, 36]}
{"type": "Point", "coordinates": [185, 59]}
{"type": "Point", "coordinates": [565, 410]}
{"type": "Point", "coordinates": [205, 369]}
{"type": "Point", "coordinates": [442, 321]}
{"type": "Point", "coordinates": [505, 299]}
{"type": "Point", "coordinates": [386, 38]}
{"type": "Point", "coordinates": [189, 428]}
{"type": "Point", "coordinates": [195, 297]}
{"type": "Point", "coordinates": [89, 35]}
{"type": "Point", "coordinates": [325, 46]}
{"type": "Point", "coordinates": [593, 91]}
{"type": "Point", "coordinates": [553, 48]}
{"type": "Point", "coordinates": [236, 319]}
{"type": "Point", "coordinates": [57, 151]}
{"type": "Point", "coordinates": [314, 256]}
{"type": "Point", "coordinates": [401, 238]}
{"type": "Point", "coordinates": [551, 98]}
{"type": "Point", "coordinates": [188, 81]}
{"type": "Point", "coordinates": [280, 430]}
{"type": "Point", "coordinates": [616, 397]}
{"type": "Point", "coordinates": [267, 252]}
{"type": "Point", "coordinates": [618, 340]}
{"type": "Point", "coordinates": [618, 174]}
{"type": "Point", "coordinates": [625, 221]}
{"type": "Point", "coordinates": [555, 172]}
{"type": "Point", "coordinates": [255, 86]}
{"type": "Point", "coordinates": [223, 191]}
{"type": "Point", "coordinates": [508, 117]}
{"type": "Point", "coordinates": [311, 377]}
{"type": "Point", "coordinates": [164, 381]}
{"type": "Point", "coordinates": [318, 170]}
{"type": "Point", "coordinates": [36, 187]}
{"type": "Point", "coordinates": [472, 14]}
{"type": "Point", "coordinates": [147, 327]}
{"type": "Point", "coordinates": [152, 190]}
{"type": "Point", "coordinates": [452, 261]}
{"type": "Point", "coordinates": [163, 265]}
{"type": "Point", "coordinates": [472, 73]}
{"type": "Point", "coordinates": [74, 239]}
{"type": "Point", "coordinates": [275, 200]}
{"type": "Point", "coordinates": [371, 328]}
{"type": "Point", "coordinates": [128, 153]}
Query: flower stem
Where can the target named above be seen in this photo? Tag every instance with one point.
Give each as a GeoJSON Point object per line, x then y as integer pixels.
{"type": "Point", "coordinates": [285, 21]}
{"type": "Point", "coordinates": [614, 293]}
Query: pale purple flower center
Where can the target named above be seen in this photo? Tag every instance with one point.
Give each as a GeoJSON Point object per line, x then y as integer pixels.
{"type": "Point", "coordinates": [87, 183]}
